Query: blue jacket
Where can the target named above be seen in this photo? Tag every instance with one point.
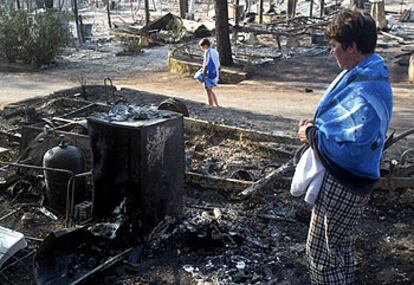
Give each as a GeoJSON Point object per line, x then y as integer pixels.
{"type": "Point", "coordinates": [353, 116]}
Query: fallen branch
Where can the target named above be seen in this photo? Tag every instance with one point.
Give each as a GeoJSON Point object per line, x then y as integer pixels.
{"type": "Point", "coordinates": [267, 181]}
{"type": "Point", "coordinates": [214, 182]}
{"type": "Point", "coordinates": [276, 218]}
{"type": "Point", "coordinates": [9, 214]}
{"type": "Point", "coordinates": [392, 140]}
{"type": "Point", "coordinates": [111, 261]}
{"type": "Point", "coordinates": [394, 37]}
{"type": "Point", "coordinates": [392, 183]}
{"type": "Point", "coordinates": [33, 238]}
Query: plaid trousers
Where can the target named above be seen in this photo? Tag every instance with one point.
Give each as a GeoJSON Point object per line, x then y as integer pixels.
{"type": "Point", "coordinates": [330, 248]}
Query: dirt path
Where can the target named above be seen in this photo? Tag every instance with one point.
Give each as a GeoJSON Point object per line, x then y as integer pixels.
{"type": "Point", "coordinates": [254, 96]}
{"type": "Point", "coordinates": [19, 86]}
{"type": "Point", "coordinates": [271, 98]}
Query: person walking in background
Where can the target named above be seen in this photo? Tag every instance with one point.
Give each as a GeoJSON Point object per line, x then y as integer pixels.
{"type": "Point", "coordinates": [347, 135]}
{"type": "Point", "coordinates": [209, 73]}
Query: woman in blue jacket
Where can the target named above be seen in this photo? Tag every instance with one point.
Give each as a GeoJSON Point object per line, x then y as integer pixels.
{"type": "Point", "coordinates": [348, 134]}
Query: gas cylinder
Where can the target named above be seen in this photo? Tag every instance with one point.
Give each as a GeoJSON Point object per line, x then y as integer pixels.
{"type": "Point", "coordinates": [68, 157]}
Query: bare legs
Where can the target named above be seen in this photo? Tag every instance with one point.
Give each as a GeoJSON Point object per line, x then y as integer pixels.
{"type": "Point", "coordinates": [212, 98]}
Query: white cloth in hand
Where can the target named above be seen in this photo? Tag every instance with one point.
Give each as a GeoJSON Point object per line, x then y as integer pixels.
{"type": "Point", "coordinates": [308, 177]}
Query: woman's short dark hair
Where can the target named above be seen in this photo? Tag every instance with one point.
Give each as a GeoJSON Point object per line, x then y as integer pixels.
{"type": "Point", "coordinates": [353, 26]}
{"type": "Point", "coordinates": [204, 42]}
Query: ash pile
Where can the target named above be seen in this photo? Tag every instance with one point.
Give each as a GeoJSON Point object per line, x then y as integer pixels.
{"type": "Point", "coordinates": [144, 195]}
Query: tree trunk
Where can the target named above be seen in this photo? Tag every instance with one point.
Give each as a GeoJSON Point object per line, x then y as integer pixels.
{"type": "Point", "coordinates": [237, 14]}
{"type": "Point", "coordinates": [78, 31]}
{"type": "Point", "coordinates": [321, 8]}
{"type": "Point", "coordinates": [222, 32]}
{"type": "Point", "coordinates": [147, 13]}
{"type": "Point", "coordinates": [291, 9]}
{"type": "Point", "coordinates": [261, 11]}
{"type": "Point", "coordinates": [236, 20]}
{"type": "Point", "coordinates": [108, 12]}
{"type": "Point", "coordinates": [378, 14]}
{"type": "Point", "coordinates": [311, 9]}
{"type": "Point", "coordinates": [183, 8]}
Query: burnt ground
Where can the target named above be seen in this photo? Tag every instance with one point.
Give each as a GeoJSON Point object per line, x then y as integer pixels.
{"type": "Point", "coordinates": [322, 69]}
{"type": "Point", "coordinates": [259, 240]}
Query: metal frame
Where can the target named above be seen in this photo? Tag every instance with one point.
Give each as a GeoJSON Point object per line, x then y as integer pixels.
{"type": "Point", "coordinates": [70, 188]}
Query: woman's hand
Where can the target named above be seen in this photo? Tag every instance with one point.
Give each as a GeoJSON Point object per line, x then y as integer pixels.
{"type": "Point", "coordinates": [304, 122]}
{"type": "Point", "coordinates": [302, 132]}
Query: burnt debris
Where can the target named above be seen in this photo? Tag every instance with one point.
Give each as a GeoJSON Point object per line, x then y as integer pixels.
{"type": "Point", "coordinates": [179, 200]}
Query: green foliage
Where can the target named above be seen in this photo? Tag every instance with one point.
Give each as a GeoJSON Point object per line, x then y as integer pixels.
{"type": "Point", "coordinates": [14, 34]}
{"type": "Point", "coordinates": [49, 33]}
{"type": "Point", "coordinates": [34, 38]}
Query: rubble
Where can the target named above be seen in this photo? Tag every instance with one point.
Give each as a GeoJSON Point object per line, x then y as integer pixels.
{"type": "Point", "coordinates": [166, 29]}
{"type": "Point", "coordinates": [224, 235]}
{"type": "Point", "coordinates": [407, 16]}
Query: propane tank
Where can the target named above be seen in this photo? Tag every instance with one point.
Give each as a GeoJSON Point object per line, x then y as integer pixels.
{"type": "Point", "coordinates": [66, 157]}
